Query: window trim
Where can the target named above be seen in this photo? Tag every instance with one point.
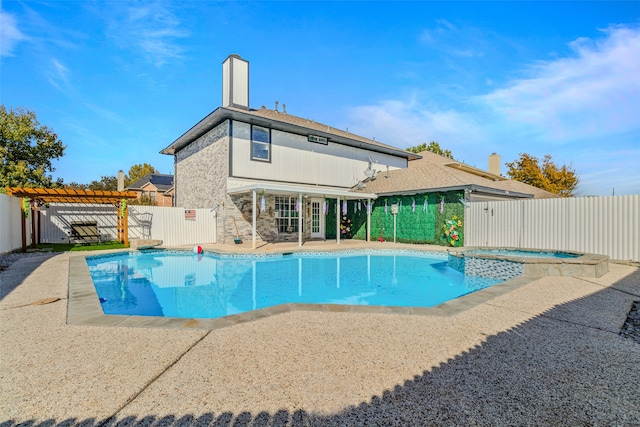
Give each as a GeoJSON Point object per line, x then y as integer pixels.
{"type": "Point", "coordinates": [268, 144]}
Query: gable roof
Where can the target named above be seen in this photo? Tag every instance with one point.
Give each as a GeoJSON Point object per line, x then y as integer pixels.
{"type": "Point", "coordinates": [163, 182]}
{"type": "Point", "coordinates": [434, 172]}
{"type": "Point", "coordinates": [284, 122]}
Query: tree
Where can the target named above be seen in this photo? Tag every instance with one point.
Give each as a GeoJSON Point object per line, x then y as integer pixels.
{"type": "Point", "coordinates": [106, 183]}
{"type": "Point", "coordinates": [76, 186]}
{"type": "Point", "coordinates": [26, 150]}
{"type": "Point", "coordinates": [145, 200]}
{"type": "Point", "coordinates": [138, 171]}
{"type": "Point", "coordinates": [557, 180]}
{"type": "Point", "coordinates": [433, 146]}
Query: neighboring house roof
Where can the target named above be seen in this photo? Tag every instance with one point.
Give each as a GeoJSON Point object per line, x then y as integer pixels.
{"type": "Point", "coordinates": [163, 182]}
{"type": "Point", "coordinates": [285, 122]}
{"type": "Point", "coordinates": [434, 172]}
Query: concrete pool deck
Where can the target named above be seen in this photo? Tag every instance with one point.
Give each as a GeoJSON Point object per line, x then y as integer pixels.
{"type": "Point", "coordinates": [547, 352]}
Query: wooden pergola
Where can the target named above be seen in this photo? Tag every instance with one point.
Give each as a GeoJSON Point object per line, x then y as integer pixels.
{"type": "Point", "coordinates": [37, 197]}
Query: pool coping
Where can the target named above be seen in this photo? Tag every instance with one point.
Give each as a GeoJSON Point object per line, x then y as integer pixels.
{"type": "Point", "coordinates": [84, 308]}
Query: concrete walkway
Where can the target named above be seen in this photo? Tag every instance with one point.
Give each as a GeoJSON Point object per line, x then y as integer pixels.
{"type": "Point", "coordinates": [546, 353]}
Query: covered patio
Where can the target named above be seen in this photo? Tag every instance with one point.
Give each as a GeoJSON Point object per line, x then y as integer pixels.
{"type": "Point", "coordinates": [301, 192]}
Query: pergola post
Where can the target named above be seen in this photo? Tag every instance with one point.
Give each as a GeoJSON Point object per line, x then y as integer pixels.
{"type": "Point", "coordinates": [39, 226]}
{"type": "Point", "coordinates": [23, 221]}
{"type": "Point", "coordinates": [125, 228]}
{"type": "Point", "coordinates": [119, 222]}
{"type": "Point", "coordinates": [32, 210]}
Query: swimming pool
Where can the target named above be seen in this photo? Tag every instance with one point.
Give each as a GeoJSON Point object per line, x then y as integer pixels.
{"type": "Point", "coordinates": [185, 285]}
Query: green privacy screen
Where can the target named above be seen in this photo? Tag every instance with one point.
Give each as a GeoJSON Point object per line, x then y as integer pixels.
{"type": "Point", "coordinates": [420, 218]}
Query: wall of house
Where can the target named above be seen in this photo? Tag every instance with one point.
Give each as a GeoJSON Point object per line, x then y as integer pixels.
{"type": "Point", "coordinates": [201, 170]}
{"type": "Point", "coordinates": [296, 160]}
{"type": "Point", "coordinates": [239, 208]}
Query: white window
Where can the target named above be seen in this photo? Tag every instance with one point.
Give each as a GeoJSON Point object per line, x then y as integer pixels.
{"type": "Point", "coordinates": [286, 214]}
{"type": "Point", "coordinates": [260, 143]}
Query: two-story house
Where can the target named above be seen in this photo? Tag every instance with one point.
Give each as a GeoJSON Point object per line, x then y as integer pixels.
{"type": "Point", "coordinates": [154, 188]}
{"type": "Point", "coordinates": [270, 175]}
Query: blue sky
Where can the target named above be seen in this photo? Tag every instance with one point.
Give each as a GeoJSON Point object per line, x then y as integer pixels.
{"type": "Point", "coordinates": [118, 81]}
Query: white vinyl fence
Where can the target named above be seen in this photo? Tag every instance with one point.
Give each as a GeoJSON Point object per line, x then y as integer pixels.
{"type": "Point", "coordinates": [171, 225]}
{"type": "Point", "coordinates": [10, 224]}
{"type": "Point", "coordinates": [599, 225]}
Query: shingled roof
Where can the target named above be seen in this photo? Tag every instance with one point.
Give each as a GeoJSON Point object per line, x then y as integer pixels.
{"type": "Point", "coordinates": [434, 172]}
{"type": "Point", "coordinates": [163, 182]}
{"type": "Point", "coordinates": [285, 122]}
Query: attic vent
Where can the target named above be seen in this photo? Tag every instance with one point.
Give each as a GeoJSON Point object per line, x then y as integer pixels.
{"type": "Point", "coordinates": [318, 139]}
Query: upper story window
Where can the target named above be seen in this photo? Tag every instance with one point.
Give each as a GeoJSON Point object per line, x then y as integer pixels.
{"type": "Point", "coordinates": [260, 143]}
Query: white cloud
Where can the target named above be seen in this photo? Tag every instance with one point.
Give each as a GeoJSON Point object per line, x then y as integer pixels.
{"type": "Point", "coordinates": [58, 75]}
{"type": "Point", "coordinates": [150, 28]}
{"type": "Point", "coordinates": [10, 35]}
{"type": "Point", "coordinates": [405, 123]}
{"type": "Point", "coordinates": [467, 42]}
{"type": "Point", "coordinates": [583, 110]}
{"type": "Point", "coordinates": [594, 93]}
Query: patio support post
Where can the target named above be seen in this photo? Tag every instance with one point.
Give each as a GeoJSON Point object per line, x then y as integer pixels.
{"type": "Point", "coordinates": [301, 210]}
{"type": "Point", "coordinates": [369, 220]}
{"type": "Point", "coordinates": [253, 219]}
{"type": "Point", "coordinates": [338, 213]}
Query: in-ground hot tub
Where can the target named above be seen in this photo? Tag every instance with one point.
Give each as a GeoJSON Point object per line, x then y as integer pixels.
{"type": "Point", "coordinates": [514, 262]}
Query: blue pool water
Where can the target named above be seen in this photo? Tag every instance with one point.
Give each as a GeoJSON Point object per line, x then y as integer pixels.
{"type": "Point", "coordinates": [183, 284]}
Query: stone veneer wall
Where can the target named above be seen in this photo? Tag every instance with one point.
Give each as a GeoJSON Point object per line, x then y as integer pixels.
{"type": "Point", "coordinates": [201, 180]}
{"type": "Point", "coordinates": [266, 223]}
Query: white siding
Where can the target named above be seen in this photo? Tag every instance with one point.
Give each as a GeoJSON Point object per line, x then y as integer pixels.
{"type": "Point", "coordinates": [296, 160]}
{"type": "Point", "coordinates": [599, 225]}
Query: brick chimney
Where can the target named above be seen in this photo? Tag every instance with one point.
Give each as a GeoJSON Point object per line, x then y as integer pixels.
{"type": "Point", "coordinates": [235, 82]}
{"type": "Point", "coordinates": [494, 164]}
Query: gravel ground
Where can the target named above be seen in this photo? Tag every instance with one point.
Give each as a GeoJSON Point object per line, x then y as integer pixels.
{"type": "Point", "coordinates": [554, 352]}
